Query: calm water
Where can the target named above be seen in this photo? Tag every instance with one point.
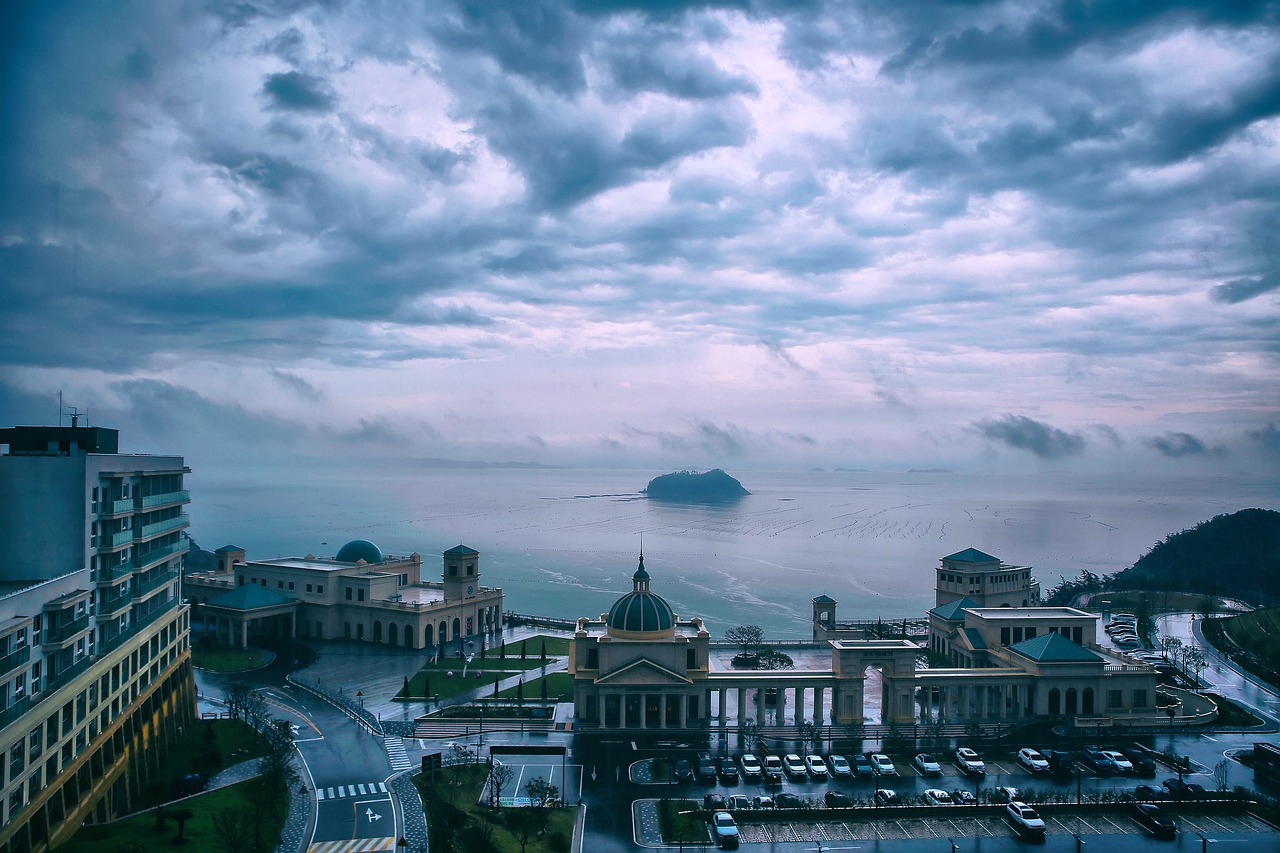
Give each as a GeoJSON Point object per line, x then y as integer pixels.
{"type": "Point", "coordinates": [564, 542]}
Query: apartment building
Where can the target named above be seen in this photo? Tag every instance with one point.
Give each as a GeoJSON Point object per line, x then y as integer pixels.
{"type": "Point", "coordinates": [95, 667]}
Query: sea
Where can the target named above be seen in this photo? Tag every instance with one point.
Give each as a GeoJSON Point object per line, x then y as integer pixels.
{"type": "Point", "coordinates": [565, 541]}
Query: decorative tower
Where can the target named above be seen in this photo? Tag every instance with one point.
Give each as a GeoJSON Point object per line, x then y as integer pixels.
{"type": "Point", "coordinates": [461, 573]}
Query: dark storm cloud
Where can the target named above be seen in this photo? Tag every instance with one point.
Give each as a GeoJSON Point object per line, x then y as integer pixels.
{"type": "Point", "coordinates": [293, 90]}
{"type": "Point", "coordinates": [1243, 289]}
{"type": "Point", "coordinates": [1023, 433]}
{"type": "Point", "coordinates": [1176, 445]}
{"type": "Point", "coordinates": [675, 70]}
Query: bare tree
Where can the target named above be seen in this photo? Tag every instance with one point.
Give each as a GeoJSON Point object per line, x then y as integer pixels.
{"type": "Point", "coordinates": [1172, 646]}
{"type": "Point", "coordinates": [500, 776]}
{"type": "Point", "coordinates": [460, 755]}
{"type": "Point", "coordinates": [532, 820]}
{"type": "Point", "coordinates": [1222, 774]}
{"type": "Point", "coordinates": [1193, 662]}
{"type": "Point", "coordinates": [748, 636]}
{"type": "Point", "coordinates": [233, 830]}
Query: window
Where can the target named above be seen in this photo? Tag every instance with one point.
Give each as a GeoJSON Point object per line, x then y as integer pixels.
{"type": "Point", "coordinates": [290, 584]}
{"type": "Point", "coordinates": [1004, 636]}
{"type": "Point", "coordinates": [593, 658]}
{"type": "Point", "coordinates": [1139, 698]}
{"type": "Point", "coordinates": [15, 801]}
{"type": "Point", "coordinates": [308, 587]}
{"type": "Point", "coordinates": [360, 595]}
{"type": "Point", "coordinates": [17, 759]}
{"type": "Point", "coordinates": [1113, 698]}
{"type": "Point", "coordinates": [319, 589]}
{"type": "Point", "coordinates": [241, 580]}
{"type": "Point", "coordinates": [35, 744]}
{"type": "Point", "coordinates": [348, 593]}
{"type": "Point", "coordinates": [690, 658]}
{"type": "Point", "coordinates": [471, 569]}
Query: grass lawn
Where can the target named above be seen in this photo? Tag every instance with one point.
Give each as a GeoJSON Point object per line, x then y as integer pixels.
{"type": "Point", "coordinates": [220, 658]}
{"type": "Point", "coordinates": [481, 672]}
{"type": "Point", "coordinates": [232, 742]}
{"type": "Point", "coordinates": [559, 688]}
{"type": "Point", "coordinates": [678, 828]}
{"type": "Point", "coordinates": [453, 811]}
{"type": "Point", "coordinates": [199, 834]}
{"type": "Point", "coordinates": [532, 646]}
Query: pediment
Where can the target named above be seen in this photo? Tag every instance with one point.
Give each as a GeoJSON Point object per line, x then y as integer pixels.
{"type": "Point", "coordinates": [642, 671]}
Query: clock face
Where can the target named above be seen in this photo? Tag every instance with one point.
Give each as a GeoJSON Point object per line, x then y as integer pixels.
{"type": "Point", "coordinates": [470, 590]}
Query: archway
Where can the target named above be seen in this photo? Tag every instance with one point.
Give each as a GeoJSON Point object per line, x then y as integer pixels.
{"type": "Point", "coordinates": [1071, 700]}
{"type": "Point", "coordinates": [1055, 701]}
{"type": "Point", "coordinates": [393, 635]}
{"type": "Point", "coordinates": [377, 631]}
{"type": "Point", "coordinates": [1087, 701]}
{"type": "Point", "coordinates": [444, 632]}
{"type": "Point", "coordinates": [457, 628]}
{"type": "Point", "coordinates": [428, 637]}
{"type": "Point", "coordinates": [408, 636]}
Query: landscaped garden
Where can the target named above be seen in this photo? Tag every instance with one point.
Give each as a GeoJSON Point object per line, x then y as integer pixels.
{"type": "Point", "coordinates": [451, 676]}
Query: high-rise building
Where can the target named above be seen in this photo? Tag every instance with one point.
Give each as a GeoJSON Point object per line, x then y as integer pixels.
{"type": "Point", "coordinates": [95, 665]}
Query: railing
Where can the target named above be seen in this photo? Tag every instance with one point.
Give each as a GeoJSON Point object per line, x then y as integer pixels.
{"type": "Point", "coordinates": [539, 621]}
{"type": "Point", "coordinates": [141, 561]}
{"type": "Point", "coordinates": [115, 507]}
{"type": "Point", "coordinates": [112, 606]}
{"type": "Point", "coordinates": [124, 537]}
{"type": "Point", "coordinates": [113, 573]}
{"type": "Point", "coordinates": [14, 659]}
{"type": "Point", "coordinates": [181, 520]}
{"type": "Point", "coordinates": [141, 589]}
{"type": "Point", "coordinates": [65, 631]}
{"type": "Point", "coordinates": [169, 498]}
{"type": "Point", "coordinates": [344, 702]}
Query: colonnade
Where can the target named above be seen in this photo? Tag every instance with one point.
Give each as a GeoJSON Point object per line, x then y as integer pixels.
{"type": "Point", "coordinates": [966, 701]}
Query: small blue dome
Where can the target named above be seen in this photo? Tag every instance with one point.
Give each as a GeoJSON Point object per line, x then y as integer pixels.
{"type": "Point", "coordinates": [357, 550]}
{"type": "Point", "coordinates": [641, 611]}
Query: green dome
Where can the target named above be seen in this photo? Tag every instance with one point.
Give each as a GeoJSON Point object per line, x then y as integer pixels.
{"type": "Point", "coordinates": [641, 611]}
{"type": "Point", "coordinates": [357, 550]}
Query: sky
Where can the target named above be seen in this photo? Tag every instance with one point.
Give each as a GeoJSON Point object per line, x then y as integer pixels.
{"type": "Point", "coordinates": [973, 235]}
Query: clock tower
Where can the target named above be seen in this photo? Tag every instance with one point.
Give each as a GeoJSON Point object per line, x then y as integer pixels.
{"type": "Point", "coordinates": [461, 573]}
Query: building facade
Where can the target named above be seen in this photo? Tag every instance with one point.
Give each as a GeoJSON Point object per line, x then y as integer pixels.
{"type": "Point", "coordinates": [95, 669]}
{"type": "Point", "coordinates": [358, 594]}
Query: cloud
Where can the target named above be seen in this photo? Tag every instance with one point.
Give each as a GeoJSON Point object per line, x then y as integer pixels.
{"type": "Point", "coordinates": [293, 90]}
{"type": "Point", "coordinates": [1023, 433]}
{"type": "Point", "coordinates": [1176, 445]}
{"type": "Point", "coordinates": [1268, 438]}
{"type": "Point", "coordinates": [298, 385]}
{"type": "Point", "coordinates": [1243, 289]}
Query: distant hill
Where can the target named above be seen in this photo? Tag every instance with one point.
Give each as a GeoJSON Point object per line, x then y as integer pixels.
{"type": "Point", "coordinates": [1236, 556]}
{"type": "Point", "coordinates": [693, 487]}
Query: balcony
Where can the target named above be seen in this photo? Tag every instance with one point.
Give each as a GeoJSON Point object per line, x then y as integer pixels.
{"type": "Point", "coordinates": [153, 501]}
{"type": "Point", "coordinates": [164, 578]}
{"type": "Point", "coordinates": [119, 507]}
{"type": "Point", "coordinates": [14, 659]}
{"type": "Point", "coordinates": [60, 635]}
{"type": "Point", "coordinates": [145, 561]}
{"type": "Point", "coordinates": [155, 528]}
{"type": "Point", "coordinates": [111, 607]}
{"type": "Point", "coordinates": [119, 540]}
{"type": "Point", "coordinates": [115, 573]}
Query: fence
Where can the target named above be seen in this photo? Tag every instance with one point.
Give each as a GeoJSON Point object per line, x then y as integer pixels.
{"type": "Point", "coordinates": [344, 702]}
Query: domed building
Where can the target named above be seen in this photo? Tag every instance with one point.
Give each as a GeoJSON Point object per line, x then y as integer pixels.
{"type": "Point", "coordinates": [639, 666]}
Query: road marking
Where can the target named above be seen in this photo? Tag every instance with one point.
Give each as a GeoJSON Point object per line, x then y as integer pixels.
{"type": "Point", "coordinates": [354, 845]}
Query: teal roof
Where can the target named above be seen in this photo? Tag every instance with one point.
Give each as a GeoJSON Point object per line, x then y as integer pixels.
{"type": "Point", "coordinates": [1054, 648]}
{"type": "Point", "coordinates": [250, 597]}
{"type": "Point", "coordinates": [824, 599]}
{"type": "Point", "coordinates": [641, 611]}
{"type": "Point", "coordinates": [972, 555]}
{"type": "Point", "coordinates": [357, 550]}
{"type": "Point", "coordinates": [975, 638]}
{"type": "Point", "coordinates": [461, 551]}
{"type": "Point", "coordinates": [225, 548]}
{"type": "Point", "coordinates": [953, 611]}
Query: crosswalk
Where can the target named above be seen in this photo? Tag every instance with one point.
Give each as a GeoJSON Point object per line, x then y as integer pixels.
{"type": "Point", "coordinates": [395, 752]}
{"type": "Point", "coordinates": [355, 845]}
{"type": "Point", "coordinates": [360, 789]}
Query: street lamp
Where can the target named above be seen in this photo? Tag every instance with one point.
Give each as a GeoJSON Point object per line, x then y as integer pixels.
{"type": "Point", "coordinates": [1205, 842]}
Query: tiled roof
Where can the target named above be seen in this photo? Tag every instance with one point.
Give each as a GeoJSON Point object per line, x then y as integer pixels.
{"type": "Point", "coordinates": [953, 610]}
{"type": "Point", "coordinates": [824, 599]}
{"type": "Point", "coordinates": [461, 551]}
{"type": "Point", "coordinates": [249, 597]}
{"type": "Point", "coordinates": [972, 555]}
{"type": "Point", "coordinates": [1054, 648]}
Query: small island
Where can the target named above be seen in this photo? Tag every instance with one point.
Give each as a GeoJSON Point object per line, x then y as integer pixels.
{"type": "Point", "coordinates": [695, 487]}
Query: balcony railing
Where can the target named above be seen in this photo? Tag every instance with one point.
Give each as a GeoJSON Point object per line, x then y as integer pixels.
{"type": "Point", "coordinates": [142, 561]}
{"type": "Point", "coordinates": [141, 589]}
{"type": "Point", "coordinates": [14, 659]}
{"type": "Point", "coordinates": [55, 635]}
{"type": "Point", "coordinates": [124, 537]}
{"type": "Point", "coordinates": [151, 501]}
{"type": "Point", "coordinates": [108, 607]}
{"type": "Point", "coordinates": [156, 527]}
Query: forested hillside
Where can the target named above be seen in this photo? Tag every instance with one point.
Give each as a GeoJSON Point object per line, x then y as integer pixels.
{"type": "Point", "coordinates": [1233, 556]}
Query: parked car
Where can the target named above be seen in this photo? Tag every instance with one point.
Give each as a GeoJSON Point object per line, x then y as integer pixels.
{"type": "Point", "coordinates": [752, 769]}
{"type": "Point", "coordinates": [961, 797]}
{"type": "Point", "coordinates": [1004, 794]}
{"type": "Point", "coordinates": [683, 770]}
{"type": "Point", "coordinates": [728, 771]}
{"type": "Point", "coordinates": [726, 830]}
{"type": "Point", "coordinates": [1033, 760]}
{"type": "Point", "coordinates": [794, 766]}
{"type": "Point", "coordinates": [970, 763]}
{"type": "Point", "coordinates": [772, 767]}
{"type": "Point", "coordinates": [883, 765]}
{"type": "Point", "coordinates": [1146, 792]}
{"type": "Point", "coordinates": [788, 801]}
{"type": "Point", "coordinates": [816, 767]}
{"type": "Point", "coordinates": [1142, 763]}
{"type": "Point", "coordinates": [839, 767]}
{"type": "Point", "coordinates": [1061, 762]}
{"type": "Point", "coordinates": [737, 802]}
{"type": "Point", "coordinates": [1097, 761]}
{"type": "Point", "coordinates": [862, 765]}
{"type": "Point", "coordinates": [837, 800]}
{"type": "Point", "coordinates": [927, 765]}
{"type": "Point", "coordinates": [1184, 790]}
{"type": "Point", "coordinates": [705, 767]}
{"type": "Point", "coordinates": [763, 801]}
{"type": "Point", "coordinates": [1154, 820]}
{"type": "Point", "coordinates": [937, 797]}
{"type": "Point", "coordinates": [711, 802]}
{"type": "Point", "coordinates": [887, 797]}
{"type": "Point", "coordinates": [1121, 762]}
{"type": "Point", "coordinates": [1025, 818]}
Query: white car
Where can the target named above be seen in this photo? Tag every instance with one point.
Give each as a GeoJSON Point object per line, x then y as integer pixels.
{"type": "Point", "coordinates": [726, 830]}
{"type": "Point", "coordinates": [794, 766]}
{"type": "Point", "coordinates": [1025, 818]}
{"type": "Point", "coordinates": [1123, 765]}
{"type": "Point", "coordinates": [762, 802]}
{"type": "Point", "coordinates": [752, 769]}
{"type": "Point", "coordinates": [839, 766]}
{"type": "Point", "coordinates": [937, 797]}
{"type": "Point", "coordinates": [816, 766]}
{"type": "Point", "coordinates": [970, 762]}
{"type": "Point", "coordinates": [1033, 760]}
{"type": "Point", "coordinates": [738, 802]}
{"type": "Point", "coordinates": [928, 765]}
{"type": "Point", "coordinates": [882, 765]}
{"type": "Point", "coordinates": [772, 767]}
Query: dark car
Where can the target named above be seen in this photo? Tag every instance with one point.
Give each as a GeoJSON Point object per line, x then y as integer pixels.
{"type": "Point", "coordinates": [728, 771]}
{"type": "Point", "coordinates": [1146, 792]}
{"type": "Point", "coordinates": [1097, 761]}
{"type": "Point", "coordinates": [862, 765]}
{"type": "Point", "coordinates": [1183, 790]}
{"type": "Point", "coordinates": [788, 801]}
{"type": "Point", "coordinates": [1061, 763]}
{"type": "Point", "coordinates": [185, 786]}
{"type": "Point", "coordinates": [838, 800]}
{"type": "Point", "coordinates": [706, 768]}
{"type": "Point", "coordinates": [683, 771]}
{"type": "Point", "coordinates": [714, 802]}
{"type": "Point", "coordinates": [961, 797]}
{"type": "Point", "coordinates": [1154, 820]}
{"type": "Point", "coordinates": [1142, 763]}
